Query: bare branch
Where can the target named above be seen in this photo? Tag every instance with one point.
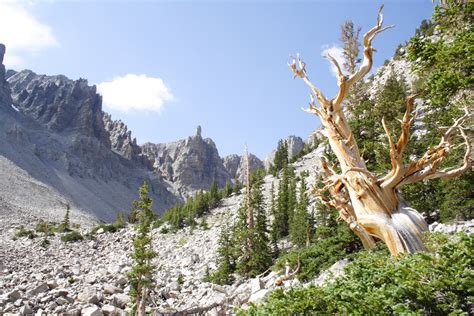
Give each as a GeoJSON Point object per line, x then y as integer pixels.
{"type": "Point", "coordinates": [368, 50]}
{"type": "Point", "coordinates": [298, 66]}
{"type": "Point", "coordinates": [396, 150]}
{"type": "Point", "coordinates": [426, 167]}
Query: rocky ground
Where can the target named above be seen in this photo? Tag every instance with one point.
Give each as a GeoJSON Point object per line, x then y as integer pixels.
{"type": "Point", "coordinates": [89, 277]}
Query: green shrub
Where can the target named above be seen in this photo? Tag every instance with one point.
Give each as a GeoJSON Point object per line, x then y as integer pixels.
{"type": "Point", "coordinates": [47, 228]}
{"type": "Point", "coordinates": [23, 232]}
{"type": "Point", "coordinates": [330, 245]}
{"type": "Point", "coordinates": [117, 225]}
{"type": "Point", "coordinates": [164, 230]}
{"type": "Point", "coordinates": [422, 284]}
{"type": "Point", "coordinates": [72, 236]}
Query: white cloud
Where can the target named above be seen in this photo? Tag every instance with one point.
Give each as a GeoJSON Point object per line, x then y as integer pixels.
{"type": "Point", "coordinates": [336, 52]}
{"type": "Point", "coordinates": [21, 32]}
{"type": "Point", "coordinates": [135, 93]}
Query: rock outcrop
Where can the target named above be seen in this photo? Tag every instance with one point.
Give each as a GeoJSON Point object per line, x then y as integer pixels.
{"type": "Point", "coordinates": [190, 164]}
{"type": "Point", "coordinates": [121, 139]}
{"type": "Point", "coordinates": [5, 94]}
{"type": "Point", "coordinates": [60, 148]}
{"type": "Point", "coordinates": [55, 150]}
{"type": "Point", "coordinates": [235, 165]}
{"type": "Point", "coordinates": [295, 145]}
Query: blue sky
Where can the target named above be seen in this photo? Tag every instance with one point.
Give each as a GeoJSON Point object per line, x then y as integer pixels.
{"type": "Point", "coordinates": [173, 65]}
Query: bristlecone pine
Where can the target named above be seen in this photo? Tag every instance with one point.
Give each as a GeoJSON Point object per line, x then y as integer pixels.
{"type": "Point", "coordinates": [372, 206]}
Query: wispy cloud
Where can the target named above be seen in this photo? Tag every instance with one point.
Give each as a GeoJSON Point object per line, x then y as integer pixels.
{"type": "Point", "coordinates": [21, 32]}
{"type": "Point", "coordinates": [135, 93]}
{"type": "Point", "coordinates": [336, 52]}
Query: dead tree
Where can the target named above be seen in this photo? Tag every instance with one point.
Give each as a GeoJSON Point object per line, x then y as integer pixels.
{"type": "Point", "coordinates": [371, 205]}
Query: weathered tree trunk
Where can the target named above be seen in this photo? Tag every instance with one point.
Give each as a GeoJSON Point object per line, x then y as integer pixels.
{"type": "Point", "coordinates": [372, 206]}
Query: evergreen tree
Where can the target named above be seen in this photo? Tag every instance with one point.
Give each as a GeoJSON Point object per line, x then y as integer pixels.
{"type": "Point", "coordinates": [65, 225]}
{"type": "Point", "coordinates": [237, 187]}
{"type": "Point", "coordinates": [140, 275]}
{"type": "Point", "coordinates": [351, 45]}
{"type": "Point", "coordinates": [214, 197]}
{"type": "Point", "coordinates": [281, 157]}
{"type": "Point", "coordinates": [300, 225]}
{"type": "Point", "coordinates": [227, 191]}
{"type": "Point", "coordinates": [274, 233]}
{"type": "Point", "coordinates": [225, 260]}
{"type": "Point", "coordinates": [254, 255]}
{"type": "Point", "coordinates": [285, 201]}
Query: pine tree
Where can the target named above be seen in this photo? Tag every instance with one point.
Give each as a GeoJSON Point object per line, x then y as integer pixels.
{"type": "Point", "coordinates": [262, 256]}
{"type": "Point", "coordinates": [285, 202]}
{"type": "Point", "coordinates": [253, 251]}
{"type": "Point", "coordinates": [281, 157]}
{"type": "Point", "coordinates": [351, 45]}
{"type": "Point", "coordinates": [225, 259]}
{"type": "Point", "coordinates": [300, 225]}
{"type": "Point", "coordinates": [214, 197]}
{"type": "Point", "coordinates": [65, 225]}
{"type": "Point", "coordinates": [227, 191]}
{"type": "Point", "coordinates": [274, 233]}
{"type": "Point", "coordinates": [141, 274]}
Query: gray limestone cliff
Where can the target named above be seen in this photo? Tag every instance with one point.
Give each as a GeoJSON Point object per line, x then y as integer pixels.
{"type": "Point", "coordinates": [190, 164]}
{"type": "Point", "coordinates": [295, 145]}
{"type": "Point", "coordinates": [235, 165]}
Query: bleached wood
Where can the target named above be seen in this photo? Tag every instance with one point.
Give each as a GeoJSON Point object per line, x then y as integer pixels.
{"type": "Point", "coordinates": [372, 207]}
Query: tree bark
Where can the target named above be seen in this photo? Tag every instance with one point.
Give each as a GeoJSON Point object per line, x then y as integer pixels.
{"type": "Point", "coordinates": [372, 206]}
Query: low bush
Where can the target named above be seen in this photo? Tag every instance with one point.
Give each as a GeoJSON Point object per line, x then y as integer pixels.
{"type": "Point", "coordinates": [23, 232]}
{"type": "Point", "coordinates": [329, 246]}
{"type": "Point", "coordinates": [72, 236]}
{"type": "Point", "coordinates": [426, 283]}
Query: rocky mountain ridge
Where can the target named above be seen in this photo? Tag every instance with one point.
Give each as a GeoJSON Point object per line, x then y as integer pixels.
{"type": "Point", "coordinates": [55, 138]}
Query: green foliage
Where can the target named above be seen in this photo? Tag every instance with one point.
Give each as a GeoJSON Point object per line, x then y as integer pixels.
{"type": "Point", "coordinates": [225, 260]}
{"type": "Point", "coordinates": [307, 148]}
{"type": "Point", "coordinates": [253, 255]}
{"type": "Point", "coordinates": [332, 241]}
{"type": "Point", "coordinates": [301, 225]}
{"type": "Point", "coordinates": [117, 225]}
{"type": "Point", "coordinates": [185, 215]}
{"type": "Point", "coordinates": [421, 284]}
{"type": "Point", "coordinates": [180, 279]}
{"type": "Point", "coordinates": [281, 157]}
{"type": "Point", "coordinates": [242, 248]}
{"type": "Point", "coordinates": [23, 232]}
{"type": "Point", "coordinates": [47, 228]}
{"type": "Point", "coordinates": [286, 200]}
{"type": "Point", "coordinates": [65, 225]}
{"type": "Point", "coordinates": [445, 68]}
{"type": "Point", "coordinates": [72, 236]}
{"type": "Point", "coordinates": [140, 275]}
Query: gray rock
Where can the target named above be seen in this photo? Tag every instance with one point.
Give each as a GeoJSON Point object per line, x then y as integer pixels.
{"type": "Point", "coordinates": [120, 300]}
{"type": "Point", "coordinates": [91, 311]}
{"type": "Point", "coordinates": [88, 295]}
{"type": "Point", "coordinates": [295, 145]}
{"type": "Point", "coordinates": [110, 289]}
{"type": "Point", "coordinates": [52, 284]}
{"type": "Point", "coordinates": [25, 310]}
{"type": "Point", "coordinates": [191, 164]}
{"type": "Point", "coordinates": [15, 294]}
{"type": "Point", "coordinates": [235, 165]}
{"type": "Point", "coordinates": [43, 287]}
{"type": "Point", "coordinates": [258, 296]}
{"type": "Point", "coordinates": [256, 284]}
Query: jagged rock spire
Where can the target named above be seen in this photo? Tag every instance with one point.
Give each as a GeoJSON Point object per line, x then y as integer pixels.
{"type": "Point", "coordinates": [198, 131]}
{"type": "Point", "coordinates": [2, 52]}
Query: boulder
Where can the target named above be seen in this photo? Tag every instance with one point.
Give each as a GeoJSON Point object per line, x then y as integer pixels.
{"type": "Point", "coordinates": [91, 311]}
